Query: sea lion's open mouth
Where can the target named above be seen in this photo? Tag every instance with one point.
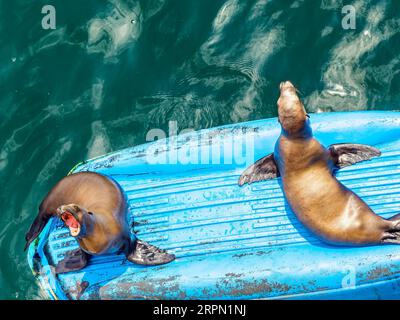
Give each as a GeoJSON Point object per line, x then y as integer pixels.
{"type": "Point", "coordinates": [71, 223]}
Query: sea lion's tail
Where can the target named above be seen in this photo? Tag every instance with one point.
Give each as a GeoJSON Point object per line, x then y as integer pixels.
{"type": "Point", "coordinates": [36, 227]}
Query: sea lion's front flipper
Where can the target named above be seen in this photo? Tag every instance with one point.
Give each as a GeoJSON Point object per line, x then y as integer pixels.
{"type": "Point", "coordinates": [73, 261]}
{"type": "Point", "coordinates": [148, 255]}
{"type": "Point", "coordinates": [263, 169]}
{"type": "Point", "coordinates": [346, 154]}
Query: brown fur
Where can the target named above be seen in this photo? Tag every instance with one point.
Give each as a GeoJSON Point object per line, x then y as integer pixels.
{"type": "Point", "coordinates": [106, 228]}
{"type": "Point", "coordinates": [94, 207]}
{"type": "Point", "coordinates": [318, 199]}
{"type": "Point", "coordinates": [324, 205]}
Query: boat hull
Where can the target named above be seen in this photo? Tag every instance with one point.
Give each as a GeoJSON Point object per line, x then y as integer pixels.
{"type": "Point", "coordinates": [233, 242]}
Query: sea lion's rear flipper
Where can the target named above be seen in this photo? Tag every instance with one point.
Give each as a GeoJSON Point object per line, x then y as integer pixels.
{"type": "Point", "coordinates": [148, 255]}
{"type": "Point", "coordinates": [73, 261]}
{"type": "Point", "coordinates": [392, 234]}
{"type": "Point", "coordinates": [346, 154]}
{"type": "Point", "coordinates": [392, 237]}
{"type": "Point", "coordinates": [36, 227]}
{"type": "Point", "coordinates": [263, 169]}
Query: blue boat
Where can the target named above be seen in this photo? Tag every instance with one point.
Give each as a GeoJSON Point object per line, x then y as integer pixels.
{"type": "Point", "coordinates": [233, 242]}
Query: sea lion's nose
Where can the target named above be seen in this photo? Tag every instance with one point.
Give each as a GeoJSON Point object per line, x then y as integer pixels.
{"type": "Point", "coordinates": [286, 85]}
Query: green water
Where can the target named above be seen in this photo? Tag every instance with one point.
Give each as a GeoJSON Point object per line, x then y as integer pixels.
{"type": "Point", "coordinates": [112, 70]}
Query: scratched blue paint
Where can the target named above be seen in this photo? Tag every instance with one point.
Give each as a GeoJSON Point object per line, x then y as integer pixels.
{"type": "Point", "coordinates": [232, 242]}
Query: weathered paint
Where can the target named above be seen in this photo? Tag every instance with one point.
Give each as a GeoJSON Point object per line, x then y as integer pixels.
{"type": "Point", "coordinates": [232, 242]}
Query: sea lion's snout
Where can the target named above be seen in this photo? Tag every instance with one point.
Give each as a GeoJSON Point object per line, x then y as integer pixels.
{"type": "Point", "coordinates": [288, 100]}
{"type": "Point", "coordinates": [286, 85]}
{"type": "Point", "coordinates": [288, 90]}
{"type": "Point", "coordinates": [291, 112]}
{"type": "Point", "coordinates": [69, 214]}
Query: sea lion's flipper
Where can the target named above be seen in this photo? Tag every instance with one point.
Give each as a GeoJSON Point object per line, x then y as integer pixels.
{"type": "Point", "coordinates": [263, 169]}
{"type": "Point", "coordinates": [36, 227]}
{"type": "Point", "coordinates": [346, 154]}
{"type": "Point", "coordinates": [392, 234]}
{"type": "Point", "coordinates": [148, 255]}
{"type": "Point", "coordinates": [391, 237]}
{"type": "Point", "coordinates": [73, 261]}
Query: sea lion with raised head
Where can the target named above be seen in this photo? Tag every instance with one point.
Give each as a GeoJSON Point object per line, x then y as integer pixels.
{"type": "Point", "coordinates": [324, 205]}
{"type": "Point", "coordinates": [93, 207]}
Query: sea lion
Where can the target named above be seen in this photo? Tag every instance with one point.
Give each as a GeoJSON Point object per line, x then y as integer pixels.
{"type": "Point", "coordinates": [93, 207]}
{"type": "Point", "coordinates": [323, 204]}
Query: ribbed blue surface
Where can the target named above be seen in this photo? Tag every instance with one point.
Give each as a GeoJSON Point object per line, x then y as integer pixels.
{"type": "Point", "coordinates": [234, 242]}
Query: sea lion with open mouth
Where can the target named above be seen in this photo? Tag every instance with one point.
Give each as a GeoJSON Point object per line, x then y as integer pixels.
{"type": "Point", "coordinates": [324, 205]}
{"type": "Point", "coordinates": [94, 209]}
